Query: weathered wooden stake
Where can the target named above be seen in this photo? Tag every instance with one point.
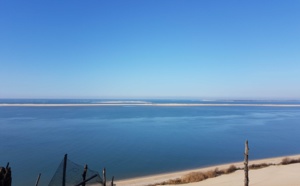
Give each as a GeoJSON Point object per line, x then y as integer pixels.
{"type": "Point", "coordinates": [64, 170]}
{"type": "Point", "coordinates": [5, 176]}
{"type": "Point", "coordinates": [112, 181]}
{"type": "Point", "coordinates": [38, 180]}
{"type": "Point", "coordinates": [84, 174]}
{"type": "Point", "coordinates": [104, 177]}
{"type": "Point", "coordinates": [246, 181]}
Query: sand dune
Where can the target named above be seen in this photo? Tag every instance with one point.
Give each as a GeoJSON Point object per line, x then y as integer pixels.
{"type": "Point", "coordinates": [277, 175]}
{"type": "Point", "coordinates": [283, 175]}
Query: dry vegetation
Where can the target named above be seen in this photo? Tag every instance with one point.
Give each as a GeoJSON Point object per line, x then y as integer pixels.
{"type": "Point", "coordinates": [259, 166]}
{"type": "Point", "coordinates": [286, 161]}
{"type": "Point", "coordinates": [200, 176]}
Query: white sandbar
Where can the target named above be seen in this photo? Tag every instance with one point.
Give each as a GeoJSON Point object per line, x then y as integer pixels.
{"type": "Point", "coordinates": [147, 104]}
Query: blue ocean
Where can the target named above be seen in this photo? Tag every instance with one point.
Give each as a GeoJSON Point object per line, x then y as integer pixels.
{"type": "Point", "coordinates": [138, 140]}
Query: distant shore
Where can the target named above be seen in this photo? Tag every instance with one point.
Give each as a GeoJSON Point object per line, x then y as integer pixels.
{"type": "Point", "coordinates": [272, 175]}
{"type": "Point", "coordinates": [146, 104]}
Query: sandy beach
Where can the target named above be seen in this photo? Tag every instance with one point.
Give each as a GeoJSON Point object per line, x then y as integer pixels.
{"type": "Point", "coordinates": [276, 175]}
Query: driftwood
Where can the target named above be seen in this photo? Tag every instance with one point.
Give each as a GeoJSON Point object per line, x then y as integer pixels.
{"type": "Point", "coordinates": [246, 169]}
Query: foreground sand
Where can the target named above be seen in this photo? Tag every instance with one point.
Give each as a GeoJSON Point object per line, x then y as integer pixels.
{"type": "Point", "coordinates": [270, 176]}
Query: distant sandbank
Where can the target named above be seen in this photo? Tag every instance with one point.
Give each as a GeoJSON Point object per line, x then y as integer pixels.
{"type": "Point", "coordinates": [146, 104]}
{"type": "Point", "coordinates": [275, 175]}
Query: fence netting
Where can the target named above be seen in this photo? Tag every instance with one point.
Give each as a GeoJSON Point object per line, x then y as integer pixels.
{"type": "Point", "coordinates": [74, 175]}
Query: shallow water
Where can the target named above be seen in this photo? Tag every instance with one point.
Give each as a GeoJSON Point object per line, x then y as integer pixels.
{"type": "Point", "coordinates": [133, 141]}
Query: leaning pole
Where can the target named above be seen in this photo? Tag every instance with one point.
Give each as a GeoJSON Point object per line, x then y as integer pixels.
{"type": "Point", "coordinates": [246, 169]}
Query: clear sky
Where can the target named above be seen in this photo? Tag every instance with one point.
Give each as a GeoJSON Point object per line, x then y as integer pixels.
{"type": "Point", "coordinates": [150, 49]}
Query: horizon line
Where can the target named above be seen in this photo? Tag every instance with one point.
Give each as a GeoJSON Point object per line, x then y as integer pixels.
{"type": "Point", "coordinates": [147, 104]}
{"type": "Point", "coordinates": [158, 98]}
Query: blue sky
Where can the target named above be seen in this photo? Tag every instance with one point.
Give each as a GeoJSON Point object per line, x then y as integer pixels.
{"type": "Point", "coordinates": [150, 49]}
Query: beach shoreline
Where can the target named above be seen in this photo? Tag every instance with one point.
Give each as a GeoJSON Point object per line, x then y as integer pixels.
{"type": "Point", "coordinates": [159, 178]}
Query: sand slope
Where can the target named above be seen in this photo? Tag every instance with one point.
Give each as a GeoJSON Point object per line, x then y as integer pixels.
{"type": "Point", "coordinates": [288, 175]}
{"type": "Point", "coordinates": [284, 175]}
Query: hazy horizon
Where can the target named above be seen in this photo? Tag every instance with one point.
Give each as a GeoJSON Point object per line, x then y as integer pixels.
{"type": "Point", "coordinates": [155, 98]}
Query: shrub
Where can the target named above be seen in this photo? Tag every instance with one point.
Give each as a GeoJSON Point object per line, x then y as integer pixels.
{"type": "Point", "coordinates": [193, 177]}
{"type": "Point", "coordinates": [219, 172]}
{"type": "Point", "coordinates": [231, 169]}
{"type": "Point", "coordinates": [259, 166]}
{"type": "Point", "coordinates": [286, 161]}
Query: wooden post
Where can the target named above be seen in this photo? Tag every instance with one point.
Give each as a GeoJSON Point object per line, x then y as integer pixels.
{"type": "Point", "coordinates": [94, 176]}
{"type": "Point", "coordinates": [246, 181]}
{"type": "Point", "coordinates": [7, 177]}
{"type": "Point", "coordinates": [64, 170]}
{"type": "Point", "coordinates": [104, 177]}
{"type": "Point", "coordinates": [112, 181]}
{"type": "Point", "coordinates": [84, 174]}
{"type": "Point", "coordinates": [38, 180]}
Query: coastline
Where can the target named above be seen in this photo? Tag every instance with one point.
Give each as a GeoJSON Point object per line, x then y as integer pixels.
{"type": "Point", "coordinates": [147, 104]}
{"type": "Point", "coordinates": [230, 179]}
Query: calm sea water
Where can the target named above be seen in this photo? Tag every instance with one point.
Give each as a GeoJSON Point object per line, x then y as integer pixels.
{"type": "Point", "coordinates": [132, 141]}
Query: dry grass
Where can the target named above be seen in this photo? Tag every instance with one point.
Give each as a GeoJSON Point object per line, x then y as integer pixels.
{"type": "Point", "coordinates": [231, 169]}
{"type": "Point", "coordinates": [286, 161]}
{"type": "Point", "coordinates": [198, 176]}
{"type": "Point", "coordinates": [259, 166]}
